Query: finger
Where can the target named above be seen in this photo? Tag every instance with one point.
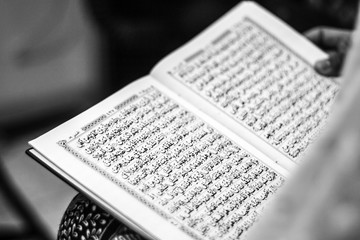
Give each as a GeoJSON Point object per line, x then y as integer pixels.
{"type": "Point", "coordinates": [331, 66]}
{"type": "Point", "coordinates": [330, 37]}
{"type": "Point", "coordinates": [303, 204]}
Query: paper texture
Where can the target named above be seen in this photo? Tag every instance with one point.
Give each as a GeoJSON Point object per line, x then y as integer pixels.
{"type": "Point", "coordinates": [196, 149]}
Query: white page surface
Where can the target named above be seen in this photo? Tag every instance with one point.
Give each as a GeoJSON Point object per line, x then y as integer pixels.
{"type": "Point", "coordinates": [274, 62]}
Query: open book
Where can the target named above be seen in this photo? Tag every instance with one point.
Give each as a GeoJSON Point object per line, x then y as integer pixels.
{"type": "Point", "coordinates": [196, 149]}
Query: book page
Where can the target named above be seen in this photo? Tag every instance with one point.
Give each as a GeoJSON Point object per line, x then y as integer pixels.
{"type": "Point", "coordinates": [255, 70]}
{"type": "Point", "coordinates": [166, 169]}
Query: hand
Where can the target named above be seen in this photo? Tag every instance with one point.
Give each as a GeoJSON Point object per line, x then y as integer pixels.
{"type": "Point", "coordinates": [321, 200]}
{"type": "Point", "coordinates": [335, 42]}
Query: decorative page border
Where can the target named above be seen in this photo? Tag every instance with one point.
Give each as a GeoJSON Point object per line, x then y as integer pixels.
{"type": "Point", "coordinates": [277, 40]}
{"type": "Point", "coordinates": [141, 198]}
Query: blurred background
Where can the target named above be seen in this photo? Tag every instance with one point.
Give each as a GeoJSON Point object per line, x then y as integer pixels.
{"type": "Point", "coordinates": [58, 57]}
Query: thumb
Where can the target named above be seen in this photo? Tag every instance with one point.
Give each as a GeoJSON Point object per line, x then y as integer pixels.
{"type": "Point", "coordinates": [331, 66]}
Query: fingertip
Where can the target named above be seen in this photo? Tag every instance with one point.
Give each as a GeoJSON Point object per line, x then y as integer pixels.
{"type": "Point", "coordinates": [314, 34]}
{"type": "Point", "coordinates": [323, 67]}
